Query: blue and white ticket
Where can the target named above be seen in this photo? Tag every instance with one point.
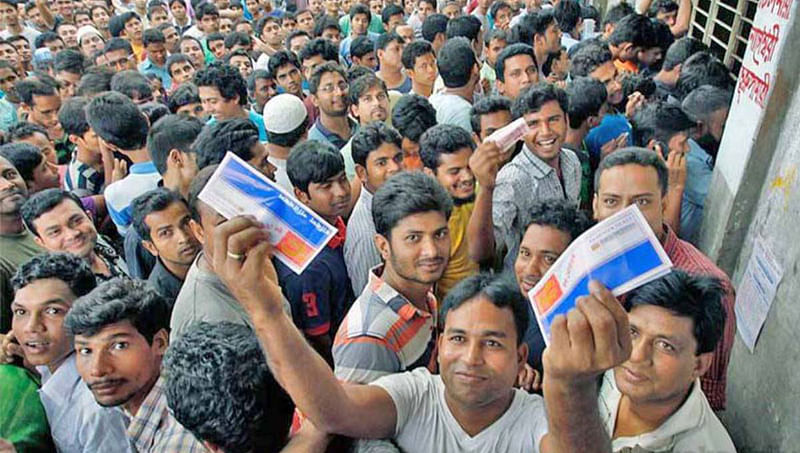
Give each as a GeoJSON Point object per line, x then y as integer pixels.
{"type": "Point", "coordinates": [621, 252]}
{"type": "Point", "coordinates": [296, 232]}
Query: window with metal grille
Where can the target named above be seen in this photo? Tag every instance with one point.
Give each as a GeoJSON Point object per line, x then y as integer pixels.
{"type": "Point", "coordinates": [724, 25]}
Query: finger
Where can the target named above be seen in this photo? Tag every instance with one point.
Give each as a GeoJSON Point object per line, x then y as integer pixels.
{"type": "Point", "coordinates": [241, 242]}
{"type": "Point", "coordinates": [559, 335]}
{"type": "Point", "coordinates": [580, 333]}
{"type": "Point", "coordinates": [221, 235]}
{"type": "Point", "coordinates": [617, 311]}
{"type": "Point", "coordinates": [604, 330]}
{"type": "Point", "coordinates": [537, 380]}
{"type": "Point", "coordinates": [258, 260]}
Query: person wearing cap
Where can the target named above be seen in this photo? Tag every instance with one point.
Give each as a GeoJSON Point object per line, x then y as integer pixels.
{"type": "Point", "coordinates": [90, 40]}
{"type": "Point", "coordinates": [286, 121]}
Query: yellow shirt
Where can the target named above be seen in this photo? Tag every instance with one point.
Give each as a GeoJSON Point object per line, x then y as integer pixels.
{"type": "Point", "coordinates": [138, 50]}
{"type": "Point", "coordinates": [460, 266]}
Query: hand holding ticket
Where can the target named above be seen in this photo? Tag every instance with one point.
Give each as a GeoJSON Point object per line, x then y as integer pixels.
{"type": "Point", "coordinates": [620, 252]}
{"type": "Point", "coordinates": [296, 232]}
{"type": "Point", "coordinates": [508, 136]}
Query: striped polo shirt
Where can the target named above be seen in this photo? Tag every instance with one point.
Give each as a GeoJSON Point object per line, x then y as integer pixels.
{"type": "Point", "coordinates": [384, 333]}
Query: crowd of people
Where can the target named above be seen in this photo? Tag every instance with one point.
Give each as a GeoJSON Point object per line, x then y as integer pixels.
{"type": "Point", "coordinates": [135, 317]}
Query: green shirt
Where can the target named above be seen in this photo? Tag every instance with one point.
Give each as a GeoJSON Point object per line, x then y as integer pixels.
{"type": "Point", "coordinates": [22, 421]}
{"type": "Point", "coordinates": [375, 24]}
{"type": "Point", "coordinates": [15, 249]}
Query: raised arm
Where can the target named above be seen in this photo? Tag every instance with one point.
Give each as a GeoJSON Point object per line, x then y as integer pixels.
{"type": "Point", "coordinates": [361, 411]}
{"type": "Point", "coordinates": [683, 18]}
{"type": "Point", "coordinates": [484, 163]}
{"type": "Point", "coordinates": [591, 338]}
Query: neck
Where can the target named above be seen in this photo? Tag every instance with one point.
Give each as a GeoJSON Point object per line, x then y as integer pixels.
{"type": "Point", "coordinates": [466, 92]}
{"type": "Point", "coordinates": [137, 156]}
{"type": "Point", "coordinates": [575, 137]}
{"type": "Point", "coordinates": [182, 22]}
{"type": "Point", "coordinates": [475, 419]}
{"type": "Point", "coordinates": [11, 224]}
{"type": "Point", "coordinates": [541, 56]}
{"type": "Point", "coordinates": [279, 152]}
{"type": "Point", "coordinates": [415, 292]}
{"type": "Point", "coordinates": [53, 366]}
{"type": "Point", "coordinates": [338, 124]}
{"type": "Point", "coordinates": [482, 10]}
{"type": "Point", "coordinates": [15, 29]}
{"type": "Point", "coordinates": [97, 264]}
{"type": "Point", "coordinates": [664, 77]}
{"type": "Point", "coordinates": [133, 404]}
{"type": "Point", "coordinates": [177, 269]}
{"type": "Point", "coordinates": [422, 90]}
{"type": "Point", "coordinates": [392, 76]}
{"type": "Point", "coordinates": [172, 182]}
{"type": "Point", "coordinates": [635, 418]}
{"type": "Point", "coordinates": [89, 158]}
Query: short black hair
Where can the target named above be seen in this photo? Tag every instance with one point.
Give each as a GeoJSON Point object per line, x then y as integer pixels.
{"type": "Point", "coordinates": [259, 25]}
{"type": "Point", "coordinates": [25, 129]}
{"type": "Point", "coordinates": [132, 84]}
{"type": "Point", "coordinates": [412, 116]}
{"type": "Point", "coordinates": [319, 46]}
{"type": "Point", "coordinates": [117, 300]}
{"type": "Point", "coordinates": [359, 8]}
{"type": "Point", "coordinates": [617, 12]}
{"type": "Point", "coordinates": [465, 26]}
{"type": "Point", "coordinates": [532, 24]}
{"type": "Point", "coordinates": [634, 156]}
{"type": "Point", "coordinates": [661, 6]}
{"type": "Point", "coordinates": [72, 116]}
{"type": "Point", "coordinates": [323, 23]}
{"type": "Point", "coordinates": [258, 74]}
{"type": "Point", "coordinates": [659, 120]}
{"type": "Point", "coordinates": [237, 135]}
{"type": "Point", "coordinates": [633, 28]}
{"type": "Point", "coordinates": [500, 290]}
{"type": "Point", "coordinates": [496, 7]}
{"type": "Point", "coordinates": [702, 68]}
{"type": "Point", "coordinates": [433, 25]}
{"type": "Point", "coordinates": [219, 387]}
{"type": "Point", "coordinates": [486, 106]}
{"type": "Point", "coordinates": [442, 139]}
{"type": "Point", "coordinates": [586, 97]}
{"type": "Point", "coordinates": [562, 215]}
{"type": "Point", "coordinates": [28, 88]}
{"type": "Point", "coordinates": [171, 132]}
{"type": "Point", "coordinates": [534, 97]}
{"type": "Point", "coordinates": [176, 58]}
{"type": "Point", "coordinates": [361, 46]}
{"type": "Point", "coordinates": [357, 71]}
{"type": "Point", "coordinates": [116, 24]}
{"type": "Point", "coordinates": [155, 200]}
{"type": "Point", "coordinates": [681, 50]}
{"type": "Point", "coordinates": [69, 60]}
{"type": "Point", "coordinates": [414, 50]}
{"type": "Point", "coordinates": [282, 58]}
{"type": "Point", "coordinates": [390, 10]}
{"type": "Point", "coordinates": [406, 194]}
{"type": "Point", "coordinates": [153, 6]}
{"type": "Point", "coordinates": [68, 268]}
{"type": "Point", "coordinates": [293, 35]}
{"type": "Point", "coordinates": [632, 82]}
{"type": "Point", "coordinates": [568, 14]}
{"type": "Point", "coordinates": [698, 297]}
{"type": "Point", "coordinates": [24, 156]}
{"type": "Point", "coordinates": [183, 95]}
{"type": "Point", "coordinates": [511, 51]}
{"type": "Point", "coordinates": [588, 58]}
{"type": "Point", "coordinates": [117, 120]}
{"type": "Point", "coordinates": [198, 184]}
{"type": "Point", "coordinates": [117, 43]}
{"type": "Point", "coordinates": [705, 100]}
{"type": "Point", "coordinates": [455, 62]}
{"type": "Point", "coordinates": [42, 202]}
{"type": "Point", "coordinates": [385, 39]}
{"type": "Point", "coordinates": [153, 36]}
{"type": "Point", "coordinates": [319, 71]}
{"type": "Point", "coordinates": [370, 137]}
{"type": "Point", "coordinates": [205, 9]}
{"type": "Point", "coordinates": [44, 38]}
{"type": "Point", "coordinates": [362, 84]}
{"type": "Point", "coordinates": [496, 33]}
{"type": "Point", "coordinates": [313, 161]}
{"type": "Point", "coordinates": [238, 38]}
{"type": "Point", "coordinates": [224, 78]}
{"type": "Point", "coordinates": [95, 80]}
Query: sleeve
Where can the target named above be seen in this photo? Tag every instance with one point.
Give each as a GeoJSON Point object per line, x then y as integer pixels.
{"type": "Point", "coordinates": [504, 210]}
{"type": "Point", "coordinates": [27, 430]}
{"type": "Point", "coordinates": [691, 218]}
{"type": "Point", "coordinates": [407, 390]}
{"type": "Point", "coordinates": [309, 297]}
{"type": "Point", "coordinates": [105, 430]}
{"type": "Point", "coordinates": [363, 358]}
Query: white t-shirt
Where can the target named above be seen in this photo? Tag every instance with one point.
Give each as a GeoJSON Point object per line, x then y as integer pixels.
{"type": "Point", "coordinates": [452, 109]}
{"type": "Point", "coordinates": [281, 177]}
{"type": "Point", "coordinates": [425, 423]}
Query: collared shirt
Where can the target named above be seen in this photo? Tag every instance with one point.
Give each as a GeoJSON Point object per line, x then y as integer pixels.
{"type": "Point", "coordinates": [116, 265]}
{"type": "Point", "coordinates": [320, 133]}
{"type": "Point", "coordinates": [699, 169]}
{"type": "Point", "coordinates": [522, 183]}
{"type": "Point", "coordinates": [154, 430]}
{"type": "Point", "coordinates": [83, 176]}
{"type": "Point", "coordinates": [360, 253]}
{"type": "Point", "coordinates": [687, 258]}
{"type": "Point", "coordinates": [165, 282]}
{"type": "Point", "coordinates": [384, 333]}
{"type": "Point", "coordinates": [77, 423]}
{"type": "Point", "coordinates": [693, 427]}
{"type": "Point", "coordinates": [321, 295]}
{"type": "Point", "coordinates": [142, 177]}
{"type": "Point", "coordinates": [148, 67]}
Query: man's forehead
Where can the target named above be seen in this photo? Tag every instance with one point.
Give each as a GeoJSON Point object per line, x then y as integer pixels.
{"type": "Point", "coordinates": [108, 332]}
{"type": "Point", "coordinates": [479, 315]}
{"type": "Point", "coordinates": [659, 321]}
{"type": "Point", "coordinates": [629, 178]}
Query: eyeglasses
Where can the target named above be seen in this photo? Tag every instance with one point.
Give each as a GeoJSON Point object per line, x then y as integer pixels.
{"type": "Point", "coordinates": [329, 88]}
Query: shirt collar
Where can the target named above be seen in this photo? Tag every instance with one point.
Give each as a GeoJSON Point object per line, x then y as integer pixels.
{"type": "Point", "coordinates": [388, 294]}
{"type": "Point", "coordinates": [341, 232]}
{"type": "Point", "coordinates": [540, 167]}
{"type": "Point", "coordinates": [330, 134]}
{"type": "Point", "coordinates": [671, 241]}
{"type": "Point", "coordinates": [59, 386]}
{"type": "Point", "coordinates": [143, 168]}
{"type": "Point", "coordinates": [145, 423]}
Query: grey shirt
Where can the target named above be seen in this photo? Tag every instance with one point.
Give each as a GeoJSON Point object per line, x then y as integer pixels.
{"type": "Point", "coordinates": [525, 181]}
{"type": "Point", "coordinates": [452, 109]}
{"type": "Point", "coordinates": [360, 253]}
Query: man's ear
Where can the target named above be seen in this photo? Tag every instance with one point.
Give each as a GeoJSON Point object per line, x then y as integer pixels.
{"type": "Point", "coordinates": [354, 111]}
{"type": "Point", "coordinates": [501, 87]}
{"type": "Point", "coordinates": [592, 121]}
{"type": "Point", "coordinates": [522, 354]}
{"type": "Point", "coordinates": [702, 364]}
{"type": "Point", "coordinates": [428, 171]}
{"type": "Point", "coordinates": [38, 240]}
{"type": "Point", "coordinates": [314, 100]}
{"type": "Point", "coordinates": [301, 196]}
{"type": "Point", "coordinates": [476, 139]}
{"type": "Point", "coordinates": [160, 341]}
{"type": "Point", "coordinates": [175, 158]}
{"type": "Point", "coordinates": [198, 231]}
{"type": "Point", "coordinates": [150, 247]}
{"type": "Point", "coordinates": [75, 139]}
{"type": "Point", "coordinates": [212, 447]}
{"type": "Point", "coordinates": [383, 246]}
{"type": "Point", "coordinates": [361, 172]}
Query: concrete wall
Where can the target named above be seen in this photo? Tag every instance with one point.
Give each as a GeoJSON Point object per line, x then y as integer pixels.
{"type": "Point", "coordinates": [764, 387]}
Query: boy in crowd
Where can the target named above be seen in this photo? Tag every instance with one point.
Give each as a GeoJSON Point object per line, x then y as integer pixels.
{"type": "Point", "coordinates": [587, 107]}
{"type": "Point", "coordinates": [377, 153]}
{"type": "Point", "coordinates": [180, 69]}
{"type": "Point", "coordinates": [389, 50]}
{"type": "Point", "coordinates": [38, 173]}
{"type": "Point", "coordinates": [494, 43]}
{"type": "Point", "coordinates": [488, 115]}
{"type": "Point", "coordinates": [362, 53]}
{"type": "Point", "coordinates": [419, 61]}
{"type": "Point", "coordinates": [261, 88]}
{"type": "Point", "coordinates": [155, 45]}
{"type": "Point", "coordinates": [516, 70]}
{"type": "Point", "coordinates": [238, 136]}
{"type": "Point", "coordinates": [322, 294]}
{"type": "Point", "coordinates": [329, 93]}
{"type": "Point", "coordinates": [85, 170]}
{"type": "Point", "coordinates": [631, 35]}
{"type": "Point", "coordinates": [412, 116]}
{"type": "Point", "coordinates": [185, 100]}
{"type": "Point", "coordinates": [460, 72]}
{"type": "Point", "coordinates": [369, 101]}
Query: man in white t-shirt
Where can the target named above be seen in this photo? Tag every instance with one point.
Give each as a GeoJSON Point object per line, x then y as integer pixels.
{"type": "Point", "coordinates": [472, 405]}
{"type": "Point", "coordinates": [461, 73]}
{"type": "Point", "coordinates": [653, 401]}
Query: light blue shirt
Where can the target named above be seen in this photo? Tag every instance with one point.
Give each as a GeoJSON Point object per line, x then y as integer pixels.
{"type": "Point", "coordinates": [699, 168]}
{"type": "Point", "coordinates": [142, 177]}
{"type": "Point", "coordinates": [256, 119]}
{"type": "Point", "coordinates": [77, 423]}
{"type": "Point", "coordinates": [344, 46]}
{"type": "Point", "coordinates": [148, 67]}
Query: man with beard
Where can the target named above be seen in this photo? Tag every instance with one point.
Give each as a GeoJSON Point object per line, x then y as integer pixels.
{"type": "Point", "coordinates": [121, 331]}
{"type": "Point", "coordinates": [369, 101]}
{"type": "Point", "coordinates": [45, 289]}
{"type": "Point", "coordinates": [59, 223]}
{"type": "Point", "coordinates": [329, 90]}
{"type": "Point", "coordinates": [391, 327]}
{"type": "Point", "coordinates": [16, 242]}
{"type": "Point", "coordinates": [321, 295]}
{"type": "Point", "coordinates": [445, 150]}
{"type": "Point", "coordinates": [708, 106]}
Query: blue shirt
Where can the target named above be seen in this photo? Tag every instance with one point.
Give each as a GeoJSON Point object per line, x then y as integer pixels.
{"type": "Point", "coordinates": [699, 168]}
{"type": "Point", "coordinates": [320, 133]}
{"type": "Point", "coordinates": [142, 177]}
{"type": "Point", "coordinates": [256, 119]}
{"type": "Point", "coordinates": [344, 46]}
{"type": "Point", "coordinates": [610, 128]}
{"type": "Point", "coordinates": [148, 67]}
